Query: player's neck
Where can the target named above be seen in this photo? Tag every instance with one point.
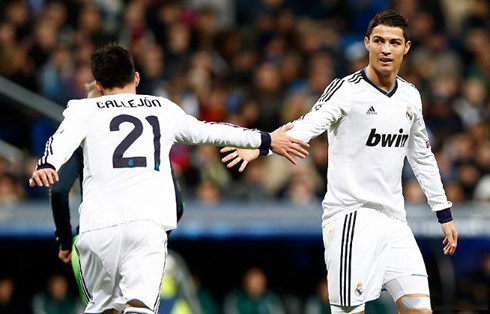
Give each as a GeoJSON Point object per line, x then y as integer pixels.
{"type": "Point", "coordinates": [385, 82]}
{"type": "Point", "coordinates": [128, 89]}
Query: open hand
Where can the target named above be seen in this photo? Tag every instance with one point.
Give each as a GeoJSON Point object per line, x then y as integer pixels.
{"type": "Point", "coordinates": [286, 145]}
{"type": "Point", "coordinates": [43, 177]}
{"type": "Point", "coordinates": [451, 239]}
{"type": "Point", "coordinates": [239, 154]}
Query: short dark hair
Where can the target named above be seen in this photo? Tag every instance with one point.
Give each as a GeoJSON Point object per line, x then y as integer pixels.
{"type": "Point", "coordinates": [391, 18]}
{"type": "Point", "coordinates": [112, 66]}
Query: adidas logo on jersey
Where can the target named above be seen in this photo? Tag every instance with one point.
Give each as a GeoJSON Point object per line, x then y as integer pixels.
{"type": "Point", "coordinates": [387, 140]}
{"type": "Point", "coordinates": [371, 111]}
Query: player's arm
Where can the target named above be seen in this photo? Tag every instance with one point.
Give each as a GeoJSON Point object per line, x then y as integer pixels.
{"type": "Point", "coordinates": [330, 108]}
{"type": "Point", "coordinates": [59, 197]}
{"type": "Point", "coordinates": [179, 199]}
{"type": "Point", "coordinates": [424, 165]}
{"type": "Point", "coordinates": [189, 130]}
{"type": "Point", "coordinates": [60, 146]}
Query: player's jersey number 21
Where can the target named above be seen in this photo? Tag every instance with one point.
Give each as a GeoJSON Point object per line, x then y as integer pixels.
{"type": "Point", "coordinates": [118, 161]}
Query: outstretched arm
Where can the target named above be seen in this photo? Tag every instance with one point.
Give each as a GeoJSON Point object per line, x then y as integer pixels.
{"type": "Point", "coordinates": [189, 130]}
{"type": "Point", "coordinates": [330, 108]}
{"type": "Point", "coordinates": [245, 156]}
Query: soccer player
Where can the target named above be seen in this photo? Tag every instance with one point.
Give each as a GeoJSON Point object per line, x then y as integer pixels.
{"type": "Point", "coordinates": [373, 119]}
{"type": "Point", "coordinates": [126, 141]}
{"type": "Point", "coordinates": [59, 199]}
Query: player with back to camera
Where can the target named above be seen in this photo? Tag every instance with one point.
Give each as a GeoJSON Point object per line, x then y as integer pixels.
{"type": "Point", "coordinates": [373, 119]}
{"type": "Point", "coordinates": [59, 199]}
{"type": "Point", "coordinates": [126, 142]}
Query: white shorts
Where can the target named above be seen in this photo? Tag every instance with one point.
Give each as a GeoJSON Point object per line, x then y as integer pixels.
{"type": "Point", "coordinates": [122, 263]}
{"type": "Point", "coordinates": [366, 249]}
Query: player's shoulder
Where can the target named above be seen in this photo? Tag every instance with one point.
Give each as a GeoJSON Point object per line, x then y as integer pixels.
{"type": "Point", "coordinates": [340, 87]}
{"type": "Point", "coordinates": [78, 102]}
{"type": "Point", "coordinates": [79, 107]}
{"type": "Point", "coordinates": [406, 85]}
{"type": "Point", "coordinates": [160, 100]}
{"type": "Point", "coordinates": [354, 78]}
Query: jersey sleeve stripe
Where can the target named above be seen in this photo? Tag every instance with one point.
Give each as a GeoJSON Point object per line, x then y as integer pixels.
{"type": "Point", "coordinates": [334, 90]}
{"type": "Point", "coordinates": [354, 77]}
{"type": "Point", "coordinates": [48, 150]}
{"type": "Point", "coordinates": [327, 91]}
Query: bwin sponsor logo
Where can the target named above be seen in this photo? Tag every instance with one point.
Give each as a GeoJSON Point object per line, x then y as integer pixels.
{"type": "Point", "coordinates": [387, 140]}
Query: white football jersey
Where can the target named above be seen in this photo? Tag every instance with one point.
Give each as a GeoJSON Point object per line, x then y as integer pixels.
{"type": "Point", "coordinates": [370, 132]}
{"type": "Point", "coordinates": [126, 144]}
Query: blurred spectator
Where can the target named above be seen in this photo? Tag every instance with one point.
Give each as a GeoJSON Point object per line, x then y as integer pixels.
{"type": "Point", "coordinates": [482, 190]}
{"type": "Point", "coordinates": [178, 293]}
{"type": "Point", "coordinates": [9, 302]}
{"type": "Point", "coordinates": [267, 92]}
{"type": "Point", "coordinates": [207, 193]}
{"type": "Point", "coordinates": [300, 190]}
{"type": "Point", "coordinates": [56, 299]}
{"type": "Point", "coordinates": [177, 54]}
{"type": "Point", "coordinates": [254, 297]}
{"type": "Point", "coordinates": [11, 191]}
{"type": "Point", "coordinates": [413, 193]}
{"type": "Point", "coordinates": [473, 290]}
{"type": "Point", "coordinates": [206, 300]}
{"type": "Point", "coordinates": [319, 303]}
{"type": "Point", "coordinates": [251, 186]}
{"type": "Point", "coordinates": [470, 107]}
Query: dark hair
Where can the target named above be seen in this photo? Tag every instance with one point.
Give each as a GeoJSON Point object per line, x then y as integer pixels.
{"type": "Point", "coordinates": [112, 66]}
{"type": "Point", "coordinates": [390, 18]}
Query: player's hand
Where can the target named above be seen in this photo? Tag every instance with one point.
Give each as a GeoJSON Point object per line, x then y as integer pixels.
{"type": "Point", "coordinates": [451, 240]}
{"type": "Point", "coordinates": [239, 154]}
{"type": "Point", "coordinates": [65, 256]}
{"type": "Point", "coordinates": [287, 146]}
{"type": "Point", "coordinates": [44, 177]}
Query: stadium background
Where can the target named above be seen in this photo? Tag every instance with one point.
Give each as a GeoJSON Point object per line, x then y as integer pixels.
{"type": "Point", "coordinates": [258, 64]}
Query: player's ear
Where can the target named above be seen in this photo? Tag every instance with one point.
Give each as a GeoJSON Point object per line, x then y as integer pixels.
{"type": "Point", "coordinates": [366, 43]}
{"type": "Point", "coordinates": [99, 88]}
{"type": "Point", "coordinates": [408, 44]}
{"type": "Point", "coordinates": [136, 79]}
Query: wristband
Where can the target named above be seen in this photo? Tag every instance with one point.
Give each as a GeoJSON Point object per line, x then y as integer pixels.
{"type": "Point", "coordinates": [444, 215]}
{"type": "Point", "coordinates": [45, 166]}
{"type": "Point", "coordinates": [266, 143]}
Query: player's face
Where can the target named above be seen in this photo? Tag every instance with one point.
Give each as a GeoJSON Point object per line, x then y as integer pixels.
{"type": "Point", "coordinates": [386, 47]}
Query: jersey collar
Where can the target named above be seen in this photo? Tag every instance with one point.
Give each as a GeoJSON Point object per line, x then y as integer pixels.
{"type": "Point", "coordinates": [389, 94]}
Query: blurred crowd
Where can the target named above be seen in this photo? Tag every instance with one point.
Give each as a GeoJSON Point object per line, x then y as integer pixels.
{"type": "Point", "coordinates": [253, 296]}
{"type": "Point", "coordinates": [259, 64]}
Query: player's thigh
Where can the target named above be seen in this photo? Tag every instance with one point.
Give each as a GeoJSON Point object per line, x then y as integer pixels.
{"type": "Point", "coordinates": [405, 260]}
{"type": "Point", "coordinates": [142, 262]}
{"type": "Point", "coordinates": [355, 253]}
{"type": "Point", "coordinates": [97, 270]}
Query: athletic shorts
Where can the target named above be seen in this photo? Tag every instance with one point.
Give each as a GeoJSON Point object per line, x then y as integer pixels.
{"type": "Point", "coordinates": [366, 249]}
{"type": "Point", "coordinates": [122, 263]}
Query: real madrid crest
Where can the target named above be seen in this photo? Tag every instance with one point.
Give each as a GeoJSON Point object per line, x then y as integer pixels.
{"type": "Point", "coordinates": [409, 113]}
{"type": "Point", "coordinates": [359, 290]}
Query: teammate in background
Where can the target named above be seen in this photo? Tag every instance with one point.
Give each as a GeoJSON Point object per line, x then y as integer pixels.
{"type": "Point", "coordinates": [59, 199]}
{"type": "Point", "coordinates": [126, 142]}
{"type": "Point", "coordinates": [374, 119]}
